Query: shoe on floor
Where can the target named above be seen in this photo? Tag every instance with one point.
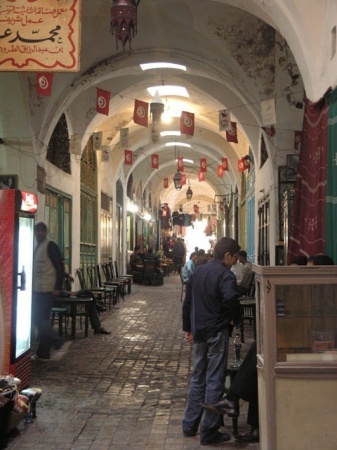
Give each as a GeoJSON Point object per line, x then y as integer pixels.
{"type": "Point", "coordinates": [37, 358]}
{"type": "Point", "coordinates": [250, 437]}
{"type": "Point", "coordinates": [101, 331]}
{"type": "Point", "coordinates": [218, 438]}
{"type": "Point", "coordinates": [189, 433]}
{"type": "Point", "coordinates": [225, 406]}
{"type": "Point", "coordinates": [60, 352]}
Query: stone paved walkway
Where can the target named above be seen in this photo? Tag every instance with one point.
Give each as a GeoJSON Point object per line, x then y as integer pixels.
{"type": "Point", "coordinates": [123, 391]}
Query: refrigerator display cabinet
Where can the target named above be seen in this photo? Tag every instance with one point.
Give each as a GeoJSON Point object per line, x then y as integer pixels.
{"type": "Point", "coordinates": [17, 218]}
{"type": "Point", "coordinates": [296, 310]}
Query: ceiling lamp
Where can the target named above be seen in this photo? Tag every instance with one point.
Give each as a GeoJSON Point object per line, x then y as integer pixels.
{"type": "Point", "coordinates": [177, 181]}
{"type": "Point", "coordinates": [189, 193]}
{"type": "Point", "coordinates": [156, 108]}
{"type": "Point", "coordinates": [124, 20]}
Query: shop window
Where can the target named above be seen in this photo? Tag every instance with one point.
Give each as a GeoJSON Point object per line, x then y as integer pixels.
{"type": "Point", "coordinates": [58, 148]}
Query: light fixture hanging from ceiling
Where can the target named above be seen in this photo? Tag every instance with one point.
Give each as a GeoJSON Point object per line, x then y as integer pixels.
{"type": "Point", "coordinates": [177, 181]}
{"type": "Point", "coordinates": [156, 108]}
{"type": "Point", "coordinates": [189, 192]}
{"type": "Point", "coordinates": [124, 20]}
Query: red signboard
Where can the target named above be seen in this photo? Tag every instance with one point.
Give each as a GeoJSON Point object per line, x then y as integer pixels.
{"type": "Point", "coordinates": [40, 35]}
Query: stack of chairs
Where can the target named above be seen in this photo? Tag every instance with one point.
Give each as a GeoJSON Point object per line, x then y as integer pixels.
{"type": "Point", "coordinates": [107, 293]}
{"type": "Point", "coordinates": [106, 278]}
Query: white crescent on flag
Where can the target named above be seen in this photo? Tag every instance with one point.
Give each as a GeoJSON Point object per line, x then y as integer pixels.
{"type": "Point", "coordinates": [140, 112]}
{"type": "Point", "coordinates": [101, 102]}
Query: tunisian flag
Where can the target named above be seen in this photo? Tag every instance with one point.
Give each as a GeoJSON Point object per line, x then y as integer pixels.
{"type": "Point", "coordinates": [44, 83]}
{"type": "Point", "coordinates": [231, 134]}
{"type": "Point", "coordinates": [183, 179]}
{"type": "Point", "coordinates": [141, 113]}
{"type": "Point", "coordinates": [128, 157]}
{"type": "Point", "coordinates": [203, 165]}
{"type": "Point", "coordinates": [154, 161]}
{"type": "Point", "coordinates": [165, 183]}
{"type": "Point", "coordinates": [243, 164]}
{"type": "Point", "coordinates": [187, 123]}
{"type": "Point", "coordinates": [180, 164]}
{"type": "Point", "coordinates": [220, 171]}
{"type": "Point", "coordinates": [102, 101]}
{"type": "Point", "coordinates": [201, 176]}
{"type": "Point", "coordinates": [225, 164]}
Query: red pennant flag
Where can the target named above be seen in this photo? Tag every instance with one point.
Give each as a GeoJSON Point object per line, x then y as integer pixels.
{"type": "Point", "coordinates": [201, 176]}
{"type": "Point", "coordinates": [243, 164]}
{"type": "Point", "coordinates": [220, 171]}
{"type": "Point", "coordinates": [154, 161]}
{"type": "Point", "coordinates": [128, 157]}
{"type": "Point", "coordinates": [298, 140]}
{"type": "Point", "coordinates": [231, 135]}
{"type": "Point", "coordinates": [225, 164]}
{"type": "Point", "coordinates": [187, 123]}
{"type": "Point", "coordinates": [102, 101]}
{"type": "Point", "coordinates": [183, 179]}
{"type": "Point", "coordinates": [203, 165]}
{"type": "Point", "coordinates": [141, 113]}
{"type": "Point", "coordinates": [165, 183]}
{"type": "Point", "coordinates": [44, 83]}
{"type": "Point", "coordinates": [180, 164]}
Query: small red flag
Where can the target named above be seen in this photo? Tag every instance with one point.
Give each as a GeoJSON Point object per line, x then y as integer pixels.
{"type": "Point", "coordinates": [180, 164]}
{"type": "Point", "coordinates": [201, 176]}
{"type": "Point", "coordinates": [220, 171]}
{"type": "Point", "coordinates": [128, 157]}
{"type": "Point", "coordinates": [187, 123]}
{"type": "Point", "coordinates": [225, 164]}
{"type": "Point", "coordinates": [183, 179]}
{"type": "Point", "coordinates": [154, 161]}
{"type": "Point", "coordinates": [243, 164]}
{"type": "Point", "coordinates": [102, 101]}
{"type": "Point", "coordinates": [196, 209]}
{"type": "Point", "coordinates": [231, 135]}
{"type": "Point", "coordinates": [140, 113]}
{"type": "Point", "coordinates": [203, 165]}
{"type": "Point", "coordinates": [165, 183]}
{"type": "Point", "coordinates": [44, 83]}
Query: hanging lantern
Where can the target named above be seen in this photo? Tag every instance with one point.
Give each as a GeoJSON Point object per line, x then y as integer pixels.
{"type": "Point", "coordinates": [156, 108]}
{"type": "Point", "coordinates": [124, 20]}
{"type": "Point", "coordinates": [177, 181]}
{"type": "Point", "coordinates": [189, 193]}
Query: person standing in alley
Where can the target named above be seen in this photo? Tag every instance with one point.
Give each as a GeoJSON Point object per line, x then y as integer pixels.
{"type": "Point", "coordinates": [48, 276]}
{"type": "Point", "coordinates": [210, 310]}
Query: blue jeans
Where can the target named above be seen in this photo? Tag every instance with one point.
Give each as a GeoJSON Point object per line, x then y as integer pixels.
{"type": "Point", "coordinates": [207, 385]}
{"type": "Point", "coordinates": [41, 308]}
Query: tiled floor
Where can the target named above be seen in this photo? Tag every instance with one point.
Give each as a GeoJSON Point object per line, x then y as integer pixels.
{"type": "Point", "coordinates": [126, 390]}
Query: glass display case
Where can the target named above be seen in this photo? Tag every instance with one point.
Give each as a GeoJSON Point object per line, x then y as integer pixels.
{"type": "Point", "coordinates": [296, 310]}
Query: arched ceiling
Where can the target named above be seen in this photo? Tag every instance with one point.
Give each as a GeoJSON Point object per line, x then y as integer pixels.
{"type": "Point", "coordinates": [229, 49]}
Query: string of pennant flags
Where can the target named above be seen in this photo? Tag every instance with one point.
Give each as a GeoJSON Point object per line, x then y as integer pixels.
{"type": "Point", "coordinates": [187, 121]}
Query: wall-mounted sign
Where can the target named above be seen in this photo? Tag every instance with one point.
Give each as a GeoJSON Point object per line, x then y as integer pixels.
{"type": "Point", "coordinates": [40, 35]}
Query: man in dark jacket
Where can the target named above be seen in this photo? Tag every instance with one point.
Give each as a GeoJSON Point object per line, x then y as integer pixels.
{"type": "Point", "coordinates": [210, 310]}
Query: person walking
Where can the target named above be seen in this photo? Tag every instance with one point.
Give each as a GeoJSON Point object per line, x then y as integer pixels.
{"type": "Point", "coordinates": [48, 276]}
{"type": "Point", "coordinates": [210, 310]}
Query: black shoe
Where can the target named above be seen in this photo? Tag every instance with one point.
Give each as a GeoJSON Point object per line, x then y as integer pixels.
{"type": "Point", "coordinates": [189, 433]}
{"type": "Point", "coordinates": [219, 438]}
{"type": "Point", "coordinates": [225, 406]}
{"type": "Point", "coordinates": [251, 436]}
{"type": "Point", "coordinates": [101, 331]}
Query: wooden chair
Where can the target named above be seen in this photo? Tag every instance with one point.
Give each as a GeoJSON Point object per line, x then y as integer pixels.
{"type": "Point", "coordinates": [106, 278]}
{"type": "Point", "coordinates": [127, 277]}
{"type": "Point", "coordinates": [149, 271]}
{"type": "Point", "coordinates": [183, 286]}
{"type": "Point", "coordinates": [105, 292]}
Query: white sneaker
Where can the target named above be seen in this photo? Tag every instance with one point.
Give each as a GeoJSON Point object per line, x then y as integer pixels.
{"type": "Point", "coordinates": [59, 353]}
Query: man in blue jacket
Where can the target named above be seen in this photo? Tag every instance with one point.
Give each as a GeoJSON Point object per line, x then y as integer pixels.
{"type": "Point", "coordinates": [210, 310]}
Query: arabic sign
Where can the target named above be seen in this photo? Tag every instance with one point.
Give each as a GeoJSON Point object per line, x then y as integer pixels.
{"type": "Point", "coordinates": [39, 35]}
